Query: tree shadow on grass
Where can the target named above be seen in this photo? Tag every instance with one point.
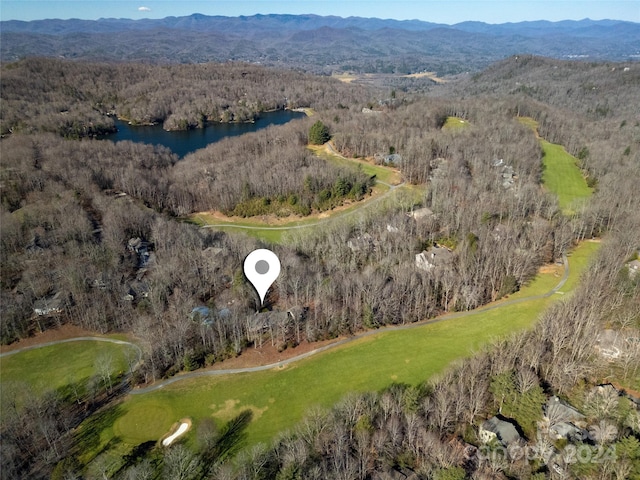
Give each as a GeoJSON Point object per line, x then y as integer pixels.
{"type": "Point", "coordinates": [87, 441]}
{"type": "Point", "coordinates": [136, 455]}
{"type": "Point", "coordinates": [231, 439]}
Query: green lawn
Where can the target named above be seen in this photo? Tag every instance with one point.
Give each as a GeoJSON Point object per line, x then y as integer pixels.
{"type": "Point", "coordinates": [455, 123]}
{"type": "Point", "coordinates": [563, 177]}
{"type": "Point", "coordinates": [280, 397]}
{"type": "Point", "coordinates": [384, 174]}
{"type": "Point", "coordinates": [50, 368]}
{"type": "Point", "coordinates": [405, 194]}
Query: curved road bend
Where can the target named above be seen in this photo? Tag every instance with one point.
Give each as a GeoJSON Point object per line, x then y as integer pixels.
{"type": "Point", "coordinates": [364, 204]}
{"type": "Point", "coordinates": [338, 215]}
{"type": "Point", "coordinates": [449, 316]}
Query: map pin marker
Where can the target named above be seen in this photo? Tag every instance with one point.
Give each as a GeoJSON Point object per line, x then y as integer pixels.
{"type": "Point", "coordinates": [262, 267]}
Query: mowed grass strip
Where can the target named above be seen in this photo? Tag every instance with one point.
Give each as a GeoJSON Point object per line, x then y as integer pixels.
{"type": "Point", "coordinates": [563, 177]}
{"type": "Point", "coordinates": [383, 198]}
{"type": "Point", "coordinates": [56, 366]}
{"type": "Point", "coordinates": [455, 123]}
{"type": "Point", "coordinates": [382, 173]}
{"type": "Point", "coordinates": [280, 397]}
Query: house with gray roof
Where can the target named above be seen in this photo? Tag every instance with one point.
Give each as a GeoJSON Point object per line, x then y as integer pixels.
{"type": "Point", "coordinates": [362, 243]}
{"type": "Point", "coordinates": [497, 429]}
{"type": "Point", "coordinates": [568, 431]}
{"type": "Point", "coordinates": [260, 323]}
{"type": "Point", "coordinates": [47, 306]}
{"type": "Point", "coordinates": [422, 214]}
{"type": "Point", "coordinates": [558, 411]}
{"type": "Point", "coordinates": [433, 257]}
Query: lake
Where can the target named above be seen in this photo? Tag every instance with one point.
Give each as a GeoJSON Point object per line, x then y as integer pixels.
{"type": "Point", "coordinates": [184, 142]}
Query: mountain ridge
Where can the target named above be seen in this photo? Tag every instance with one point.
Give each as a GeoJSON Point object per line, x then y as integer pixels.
{"type": "Point", "coordinates": [301, 22]}
{"type": "Point", "coordinates": [321, 44]}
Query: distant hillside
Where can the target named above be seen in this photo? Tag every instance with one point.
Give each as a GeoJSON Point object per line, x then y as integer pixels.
{"type": "Point", "coordinates": [316, 43]}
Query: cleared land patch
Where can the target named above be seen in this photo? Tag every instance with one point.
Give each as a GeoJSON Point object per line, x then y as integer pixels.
{"type": "Point", "coordinates": [370, 363]}
{"type": "Point", "coordinates": [561, 175]}
{"type": "Point", "coordinates": [455, 123]}
{"type": "Point", "coordinates": [57, 366]}
{"type": "Point", "coordinates": [430, 75]}
{"type": "Point", "coordinates": [383, 174]}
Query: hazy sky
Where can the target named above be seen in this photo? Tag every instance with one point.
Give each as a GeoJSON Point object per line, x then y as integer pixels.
{"type": "Point", "coordinates": [442, 11]}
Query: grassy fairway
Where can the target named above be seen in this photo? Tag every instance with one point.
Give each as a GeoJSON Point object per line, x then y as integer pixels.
{"type": "Point", "coordinates": [275, 232]}
{"type": "Point", "coordinates": [384, 174]}
{"type": "Point", "coordinates": [563, 177]}
{"type": "Point", "coordinates": [280, 233]}
{"type": "Point", "coordinates": [280, 397]}
{"type": "Point", "coordinates": [54, 367]}
{"type": "Point", "coordinates": [455, 123]}
{"type": "Point", "coordinates": [561, 174]}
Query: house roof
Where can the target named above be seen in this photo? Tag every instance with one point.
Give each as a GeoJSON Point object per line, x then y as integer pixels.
{"type": "Point", "coordinates": [51, 304]}
{"type": "Point", "coordinates": [565, 430]}
{"type": "Point", "coordinates": [421, 213]}
{"type": "Point", "coordinates": [202, 313]}
{"type": "Point", "coordinates": [563, 410]}
{"type": "Point", "coordinates": [262, 320]}
{"type": "Point", "coordinates": [393, 157]}
{"type": "Point", "coordinates": [504, 430]}
{"type": "Point", "coordinates": [364, 242]}
{"type": "Point", "coordinates": [435, 256]}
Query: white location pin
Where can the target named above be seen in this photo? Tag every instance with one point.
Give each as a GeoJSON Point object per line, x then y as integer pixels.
{"type": "Point", "coordinates": [262, 267]}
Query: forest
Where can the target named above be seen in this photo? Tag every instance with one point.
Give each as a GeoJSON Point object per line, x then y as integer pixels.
{"type": "Point", "coordinates": [101, 228]}
{"type": "Point", "coordinates": [320, 44]}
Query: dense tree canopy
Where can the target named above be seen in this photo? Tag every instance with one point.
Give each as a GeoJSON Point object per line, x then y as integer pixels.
{"type": "Point", "coordinates": [319, 133]}
{"type": "Point", "coordinates": [98, 226]}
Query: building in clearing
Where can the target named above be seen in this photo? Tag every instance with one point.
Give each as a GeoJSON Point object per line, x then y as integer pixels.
{"type": "Point", "coordinates": [498, 429]}
{"type": "Point", "coordinates": [557, 410]}
{"type": "Point", "coordinates": [434, 257]}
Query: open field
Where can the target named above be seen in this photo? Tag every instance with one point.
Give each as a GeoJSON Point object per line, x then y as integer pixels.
{"type": "Point", "coordinates": [56, 366]}
{"type": "Point", "coordinates": [382, 173]}
{"type": "Point", "coordinates": [563, 177]}
{"type": "Point", "coordinates": [430, 75]}
{"type": "Point", "coordinates": [561, 174]}
{"type": "Point", "coordinates": [279, 397]}
{"type": "Point", "coordinates": [384, 78]}
{"type": "Point", "coordinates": [455, 123]}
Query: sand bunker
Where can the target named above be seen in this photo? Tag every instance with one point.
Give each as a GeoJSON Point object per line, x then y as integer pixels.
{"type": "Point", "coordinates": [182, 429]}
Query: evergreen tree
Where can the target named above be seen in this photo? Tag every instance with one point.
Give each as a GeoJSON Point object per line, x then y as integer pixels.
{"type": "Point", "coordinates": [319, 133]}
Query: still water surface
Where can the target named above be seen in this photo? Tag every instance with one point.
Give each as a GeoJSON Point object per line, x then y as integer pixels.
{"type": "Point", "coordinates": [187, 141]}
